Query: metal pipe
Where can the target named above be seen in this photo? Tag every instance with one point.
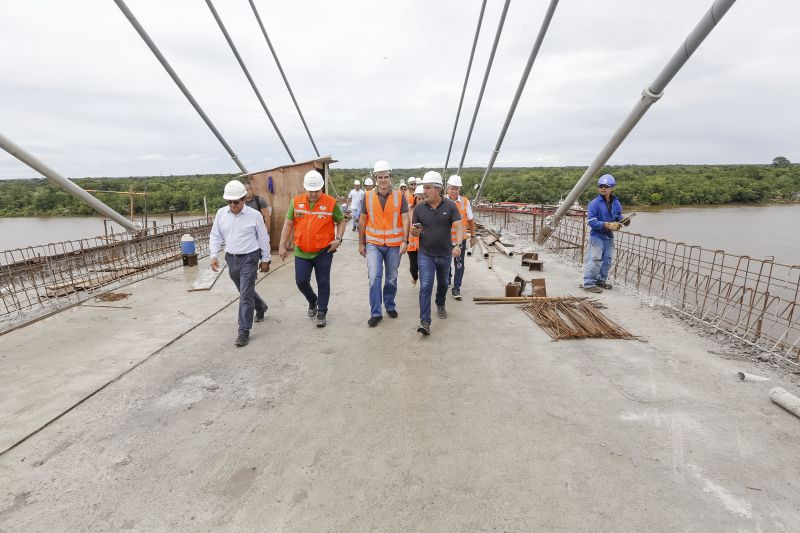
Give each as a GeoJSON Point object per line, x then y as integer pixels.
{"type": "Point", "coordinates": [164, 63]}
{"type": "Point", "coordinates": [499, 246]}
{"type": "Point", "coordinates": [247, 75]}
{"type": "Point", "coordinates": [785, 399]}
{"type": "Point", "coordinates": [520, 87]}
{"type": "Point", "coordinates": [483, 85]}
{"type": "Point", "coordinates": [484, 248]}
{"type": "Point", "coordinates": [464, 88]}
{"type": "Point", "coordinates": [283, 75]}
{"type": "Point", "coordinates": [9, 146]}
{"type": "Point", "coordinates": [649, 97]}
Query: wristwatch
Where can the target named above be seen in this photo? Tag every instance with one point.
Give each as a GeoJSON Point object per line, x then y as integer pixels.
{"type": "Point", "coordinates": [338, 239]}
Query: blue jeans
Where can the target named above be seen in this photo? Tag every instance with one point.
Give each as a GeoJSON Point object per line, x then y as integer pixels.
{"type": "Point", "coordinates": [458, 263]}
{"type": "Point", "coordinates": [242, 269]}
{"type": "Point", "coordinates": [598, 261]}
{"type": "Point", "coordinates": [430, 266]}
{"type": "Point", "coordinates": [377, 256]}
{"type": "Point", "coordinates": [321, 265]}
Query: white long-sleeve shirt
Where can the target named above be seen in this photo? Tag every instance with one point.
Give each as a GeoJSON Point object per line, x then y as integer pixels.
{"type": "Point", "coordinates": [239, 234]}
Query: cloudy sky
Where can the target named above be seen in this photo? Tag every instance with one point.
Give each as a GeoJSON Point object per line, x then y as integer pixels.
{"type": "Point", "coordinates": [381, 80]}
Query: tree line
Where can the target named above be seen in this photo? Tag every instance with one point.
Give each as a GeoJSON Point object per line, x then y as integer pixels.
{"type": "Point", "coordinates": [636, 185]}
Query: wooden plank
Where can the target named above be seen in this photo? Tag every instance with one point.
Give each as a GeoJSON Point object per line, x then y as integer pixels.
{"type": "Point", "coordinates": [207, 279]}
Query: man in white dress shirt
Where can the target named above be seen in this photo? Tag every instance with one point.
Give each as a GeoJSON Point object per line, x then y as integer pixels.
{"type": "Point", "coordinates": [241, 230]}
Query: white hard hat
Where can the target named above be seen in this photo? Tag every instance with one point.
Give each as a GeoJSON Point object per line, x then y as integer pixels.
{"type": "Point", "coordinates": [402, 183]}
{"type": "Point", "coordinates": [356, 182]}
{"type": "Point", "coordinates": [454, 180]}
{"type": "Point", "coordinates": [419, 190]}
{"type": "Point", "coordinates": [432, 177]}
{"type": "Point", "coordinates": [234, 190]}
{"type": "Point", "coordinates": [411, 180]}
{"type": "Point", "coordinates": [369, 181]}
{"type": "Point", "coordinates": [313, 181]}
{"type": "Point", "coordinates": [381, 166]}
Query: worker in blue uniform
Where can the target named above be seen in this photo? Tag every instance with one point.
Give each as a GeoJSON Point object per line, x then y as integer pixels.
{"type": "Point", "coordinates": [603, 216]}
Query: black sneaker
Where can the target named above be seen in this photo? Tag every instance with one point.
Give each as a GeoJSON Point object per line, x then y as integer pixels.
{"type": "Point", "coordinates": [441, 311]}
{"type": "Point", "coordinates": [260, 316]}
{"type": "Point", "coordinates": [456, 294]}
{"type": "Point", "coordinates": [593, 288]}
{"type": "Point", "coordinates": [321, 322]}
{"type": "Point", "coordinates": [373, 321]}
{"type": "Point", "coordinates": [242, 339]}
{"type": "Point", "coordinates": [424, 328]}
{"type": "Point", "coordinates": [392, 313]}
{"type": "Point", "coordinates": [312, 309]}
{"type": "Point", "coordinates": [604, 285]}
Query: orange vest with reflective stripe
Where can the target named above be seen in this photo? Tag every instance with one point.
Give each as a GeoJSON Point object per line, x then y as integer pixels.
{"type": "Point", "coordinates": [314, 229]}
{"type": "Point", "coordinates": [409, 198]}
{"type": "Point", "coordinates": [413, 244]}
{"type": "Point", "coordinates": [461, 203]}
{"type": "Point", "coordinates": [384, 225]}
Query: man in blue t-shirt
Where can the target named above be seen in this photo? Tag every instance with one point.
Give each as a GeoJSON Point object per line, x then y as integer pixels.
{"type": "Point", "coordinates": [603, 216]}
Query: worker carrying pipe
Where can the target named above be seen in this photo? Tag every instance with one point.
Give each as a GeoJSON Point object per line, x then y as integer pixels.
{"type": "Point", "coordinates": [604, 216]}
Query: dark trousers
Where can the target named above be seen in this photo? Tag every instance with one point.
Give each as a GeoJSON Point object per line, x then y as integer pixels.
{"type": "Point", "coordinates": [321, 265]}
{"type": "Point", "coordinates": [458, 263]}
{"type": "Point", "coordinates": [412, 265]}
{"type": "Point", "coordinates": [242, 269]}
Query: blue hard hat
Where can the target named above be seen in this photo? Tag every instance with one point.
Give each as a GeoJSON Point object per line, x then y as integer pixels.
{"type": "Point", "coordinates": [607, 179]}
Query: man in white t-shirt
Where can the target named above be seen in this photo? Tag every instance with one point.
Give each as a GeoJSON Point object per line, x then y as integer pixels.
{"type": "Point", "coordinates": [354, 201]}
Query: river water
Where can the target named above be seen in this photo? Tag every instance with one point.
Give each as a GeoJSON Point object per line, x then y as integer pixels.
{"type": "Point", "coordinates": [758, 231]}
{"type": "Point", "coordinates": [24, 232]}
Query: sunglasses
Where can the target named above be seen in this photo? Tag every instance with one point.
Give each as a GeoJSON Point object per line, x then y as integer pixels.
{"type": "Point", "coordinates": [234, 202]}
{"type": "Point", "coordinates": [604, 186]}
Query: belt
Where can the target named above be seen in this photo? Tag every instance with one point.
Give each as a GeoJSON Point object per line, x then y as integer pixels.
{"type": "Point", "coordinates": [242, 255]}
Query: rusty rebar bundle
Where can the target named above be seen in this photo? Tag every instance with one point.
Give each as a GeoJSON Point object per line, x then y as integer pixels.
{"type": "Point", "coordinates": [573, 318]}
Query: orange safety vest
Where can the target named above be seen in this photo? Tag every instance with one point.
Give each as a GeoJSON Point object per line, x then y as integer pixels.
{"type": "Point", "coordinates": [413, 244]}
{"type": "Point", "coordinates": [314, 228]}
{"type": "Point", "coordinates": [461, 203]}
{"type": "Point", "coordinates": [409, 198]}
{"type": "Point", "coordinates": [384, 225]}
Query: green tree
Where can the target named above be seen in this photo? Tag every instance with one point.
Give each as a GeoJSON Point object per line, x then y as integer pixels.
{"type": "Point", "coordinates": [781, 161]}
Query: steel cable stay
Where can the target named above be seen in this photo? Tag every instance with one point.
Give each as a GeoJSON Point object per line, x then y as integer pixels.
{"type": "Point", "coordinates": [483, 85]}
{"type": "Point", "coordinates": [283, 75]}
{"type": "Point", "coordinates": [464, 88]}
{"type": "Point", "coordinates": [649, 96]}
{"type": "Point", "coordinates": [521, 87]}
{"type": "Point", "coordinates": [164, 63]}
{"type": "Point", "coordinates": [247, 75]}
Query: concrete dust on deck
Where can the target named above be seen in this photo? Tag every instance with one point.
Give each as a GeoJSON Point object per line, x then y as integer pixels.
{"type": "Point", "coordinates": [485, 425]}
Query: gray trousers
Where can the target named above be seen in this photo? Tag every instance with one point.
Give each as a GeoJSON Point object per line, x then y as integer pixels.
{"type": "Point", "coordinates": [242, 269]}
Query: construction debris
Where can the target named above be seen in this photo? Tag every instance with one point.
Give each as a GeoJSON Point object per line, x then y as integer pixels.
{"type": "Point", "coordinates": [113, 296]}
{"type": "Point", "coordinates": [573, 318]}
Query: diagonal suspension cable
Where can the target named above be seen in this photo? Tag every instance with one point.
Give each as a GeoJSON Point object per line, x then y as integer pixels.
{"type": "Point", "coordinates": [164, 63]}
{"type": "Point", "coordinates": [247, 75]}
{"type": "Point", "coordinates": [283, 75]}
{"type": "Point", "coordinates": [464, 88]}
{"type": "Point", "coordinates": [650, 95]}
{"type": "Point", "coordinates": [483, 85]}
{"type": "Point", "coordinates": [521, 87]}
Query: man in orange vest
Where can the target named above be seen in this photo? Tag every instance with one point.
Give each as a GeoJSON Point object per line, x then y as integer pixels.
{"type": "Point", "coordinates": [318, 224]}
{"type": "Point", "coordinates": [383, 238]}
{"type": "Point", "coordinates": [468, 223]}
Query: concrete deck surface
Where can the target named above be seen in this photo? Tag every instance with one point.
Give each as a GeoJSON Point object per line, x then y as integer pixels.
{"type": "Point", "coordinates": [486, 425]}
